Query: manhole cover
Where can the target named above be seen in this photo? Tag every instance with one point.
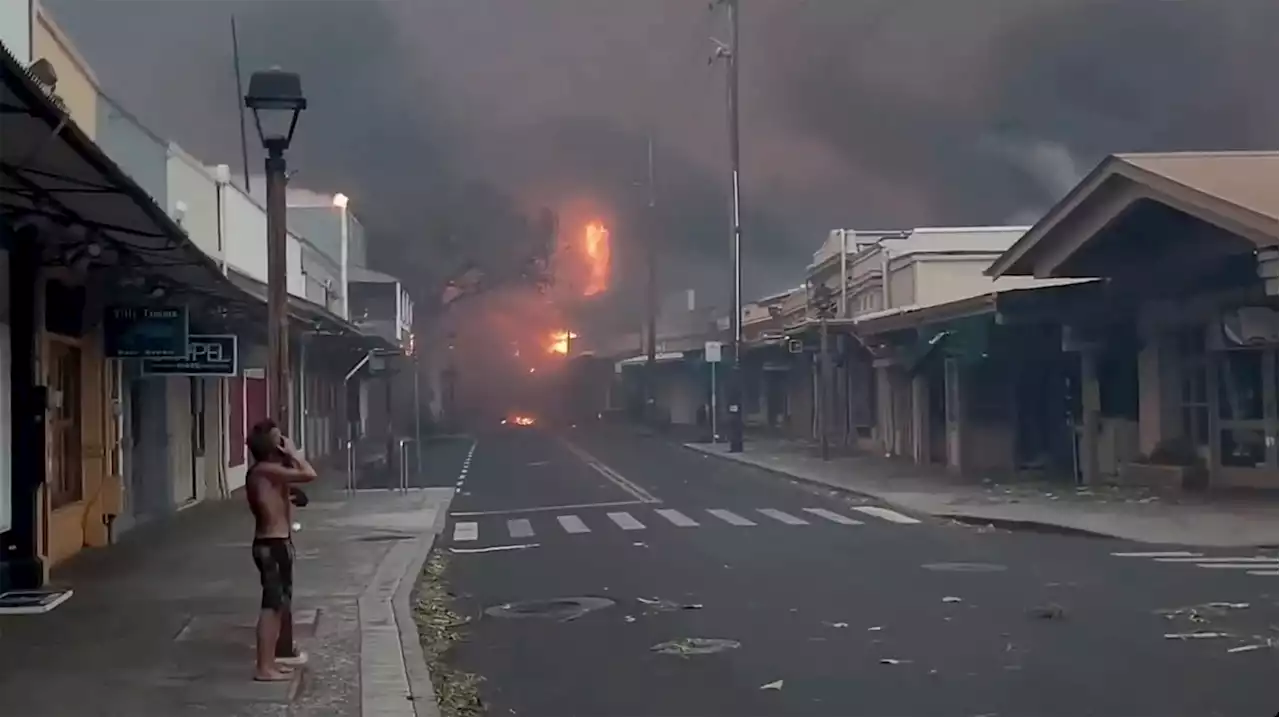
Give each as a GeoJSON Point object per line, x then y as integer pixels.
{"type": "Point", "coordinates": [563, 609]}
{"type": "Point", "coordinates": [695, 646]}
{"type": "Point", "coordinates": [964, 567]}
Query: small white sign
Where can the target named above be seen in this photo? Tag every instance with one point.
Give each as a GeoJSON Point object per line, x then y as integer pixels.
{"type": "Point", "coordinates": [713, 352]}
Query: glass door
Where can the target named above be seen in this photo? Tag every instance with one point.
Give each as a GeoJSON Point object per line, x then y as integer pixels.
{"type": "Point", "coordinates": [1246, 430]}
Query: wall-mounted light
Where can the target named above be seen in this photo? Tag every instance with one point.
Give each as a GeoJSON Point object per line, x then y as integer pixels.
{"type": "Point", "coordinates": [82, 257]}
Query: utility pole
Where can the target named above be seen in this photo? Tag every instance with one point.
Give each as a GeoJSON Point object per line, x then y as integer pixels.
{"type": "Point", "coordinates": [729, 54]}
{"type": "Point", "coordinates": [823, 303]}
{"type": "Point", "coordinates": [651, 294]}
{"type": "Point", "coordinates": [277, 293]}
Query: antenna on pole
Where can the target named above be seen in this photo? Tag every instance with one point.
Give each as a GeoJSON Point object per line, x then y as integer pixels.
{"type": "Point", "coordinates": [244, 146]}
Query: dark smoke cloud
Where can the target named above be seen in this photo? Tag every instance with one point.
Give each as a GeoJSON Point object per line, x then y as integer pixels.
{"type": "Point", "coordinates": [856, 113]}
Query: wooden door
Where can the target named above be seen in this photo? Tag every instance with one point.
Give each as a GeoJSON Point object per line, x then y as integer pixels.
{"type": "Point", "coordinates": [66, 474]}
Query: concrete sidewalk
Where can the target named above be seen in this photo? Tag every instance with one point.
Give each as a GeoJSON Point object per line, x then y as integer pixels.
{"type": "Point", "coordinates": [1131, 514]}
{"type": "Point", "coordinates": [161, 624]}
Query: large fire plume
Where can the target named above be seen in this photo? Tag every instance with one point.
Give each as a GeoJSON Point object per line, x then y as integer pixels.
{"type": "Point", "coordinates": [595, 247]}
{"type": "Point", "coordinates": [560, 342]}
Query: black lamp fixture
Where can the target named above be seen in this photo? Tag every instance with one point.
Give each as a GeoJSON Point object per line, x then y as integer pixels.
{"type": "Point", "coordinates": [275, 97]}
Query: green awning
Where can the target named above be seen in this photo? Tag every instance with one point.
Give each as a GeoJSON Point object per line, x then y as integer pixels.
{"type": "Point", "coordinates": [965, 339]}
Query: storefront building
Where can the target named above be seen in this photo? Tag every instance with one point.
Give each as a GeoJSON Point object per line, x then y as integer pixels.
{"type": "Point", "coordinates": [1187, 245]}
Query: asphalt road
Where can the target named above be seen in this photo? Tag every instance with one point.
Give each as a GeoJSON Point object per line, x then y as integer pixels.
{"type": "Point", "coordinates": [839, 607]}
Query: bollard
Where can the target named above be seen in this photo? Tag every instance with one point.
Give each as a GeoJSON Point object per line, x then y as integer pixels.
{"type": "Point", "coordinates": [351, 468]}
{"type": "Point", "coordinates": [404, 465]}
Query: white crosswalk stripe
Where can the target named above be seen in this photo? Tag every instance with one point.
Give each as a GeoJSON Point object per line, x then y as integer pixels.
{"type": "Point", "coordinates": [1216, 560]}
{"type": "Point", "coordinates": [730, 517]}
{"type": "Point", "coordinates": [572, 524]}
{"type": "Point", "coordinates": [468, 531]}
{"type": "Point", "coordinates": [677, 518]}
{"type": "Point", "coordinates": [626, 521]}
{"type": "Point", "coordinates": [782, 517]}
{"type": "Point", "coordinates": [1159, 554]}
{"type": "Point", "coordinates": [892, 516]}
{"type": "Point", "coordinates": [1260, 565]}
{"type": "Point", "coordinates": [833, 517]}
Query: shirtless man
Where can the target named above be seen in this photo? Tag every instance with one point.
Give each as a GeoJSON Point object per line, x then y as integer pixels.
{"type": "Point", "coordinates": [276, 467]}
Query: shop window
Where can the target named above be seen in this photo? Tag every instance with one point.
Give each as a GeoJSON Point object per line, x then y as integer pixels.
{"type": "Point", "coordinates": [1118, 384]}
{"type": "Point", "coordinates": [1243, 447]}
{"type": "Point", "coordinates": [1193, 379]}
{"type": "Point", "coordinates": [1240, 386]}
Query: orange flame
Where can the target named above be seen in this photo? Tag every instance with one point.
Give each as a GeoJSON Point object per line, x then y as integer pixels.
{"type": "Point", "coordinates": [596, 248]}
{"type": "Point", "coordinates": [560, 342]}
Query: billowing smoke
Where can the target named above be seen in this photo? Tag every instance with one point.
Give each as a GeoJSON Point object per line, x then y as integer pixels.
{"type": "Point", "coordinates": [452, 122]}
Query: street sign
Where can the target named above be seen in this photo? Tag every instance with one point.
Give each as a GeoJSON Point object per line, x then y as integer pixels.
{"type": "Point", "coordinates": [207, 355]}
{"type": "Point", "coordinates": [145, 332]}
{"type": "Point", "coordinates": [713, 352]}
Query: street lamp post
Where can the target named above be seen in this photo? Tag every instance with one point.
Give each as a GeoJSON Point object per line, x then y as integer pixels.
{"type": "Point", "coordinates": [275, 98]}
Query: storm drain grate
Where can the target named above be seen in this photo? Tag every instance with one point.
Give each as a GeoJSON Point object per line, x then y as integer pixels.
{"type": "Point", "coordinates": [563, 609]}
{"type": "Point", "coordinates": [385, 538]}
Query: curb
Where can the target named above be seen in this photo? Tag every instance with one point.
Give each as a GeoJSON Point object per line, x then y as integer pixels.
{"type": "Point", "coordinates": [394, 680]}
{"type": "Point", "coordinates": [421, 691]}
{"type": "Point", "coordinates": [1027, 526]}
{"type": "Point", "coordinates": [1005, 524]}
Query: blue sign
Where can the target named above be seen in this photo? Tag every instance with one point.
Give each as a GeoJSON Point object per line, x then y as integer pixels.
{"type": "Point", "coordinates": [145, 332]}
{"type": "Point", "coordinates": [207, 355]}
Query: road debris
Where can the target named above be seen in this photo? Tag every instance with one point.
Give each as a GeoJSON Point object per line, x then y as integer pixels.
{"type": "Point", "coordinates": [493, 548]}
{"type": "Point", "coordinates": [876, 628]}
{"type": "Point", "coordinates": [775, 685]}
{"type": "Point", "coordinates": [894, 661]}
{"type": "Point", "coordinates": [628, 618]}
{"type": "Point", "coordinates": [1052, 611]}
{"type": "Point", "coordinates": [1252, 647]}
{"type": "Point", "coordinates": [837, 624]}
{"type": "Point", "coordinates": [686, 646]}
{"type": "Point", "coordinates": [1199, 635]}
{"type": "Point", "coordinates": [951, 599]}
{"type": "Point", "coordinates": [1201, 613]}
{"type": "Point", "coordinates": [668, 605]}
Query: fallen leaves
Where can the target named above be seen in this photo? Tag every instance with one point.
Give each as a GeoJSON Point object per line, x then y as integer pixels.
{"type": "Point", "coordinates": [457, 692]}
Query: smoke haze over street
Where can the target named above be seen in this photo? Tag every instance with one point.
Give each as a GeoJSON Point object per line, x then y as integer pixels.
{"type": "Point", "coordinates": [868, 114]}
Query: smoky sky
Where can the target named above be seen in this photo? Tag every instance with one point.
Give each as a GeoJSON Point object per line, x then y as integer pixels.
{"type": "Point", "coordinates": [855, 113]}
